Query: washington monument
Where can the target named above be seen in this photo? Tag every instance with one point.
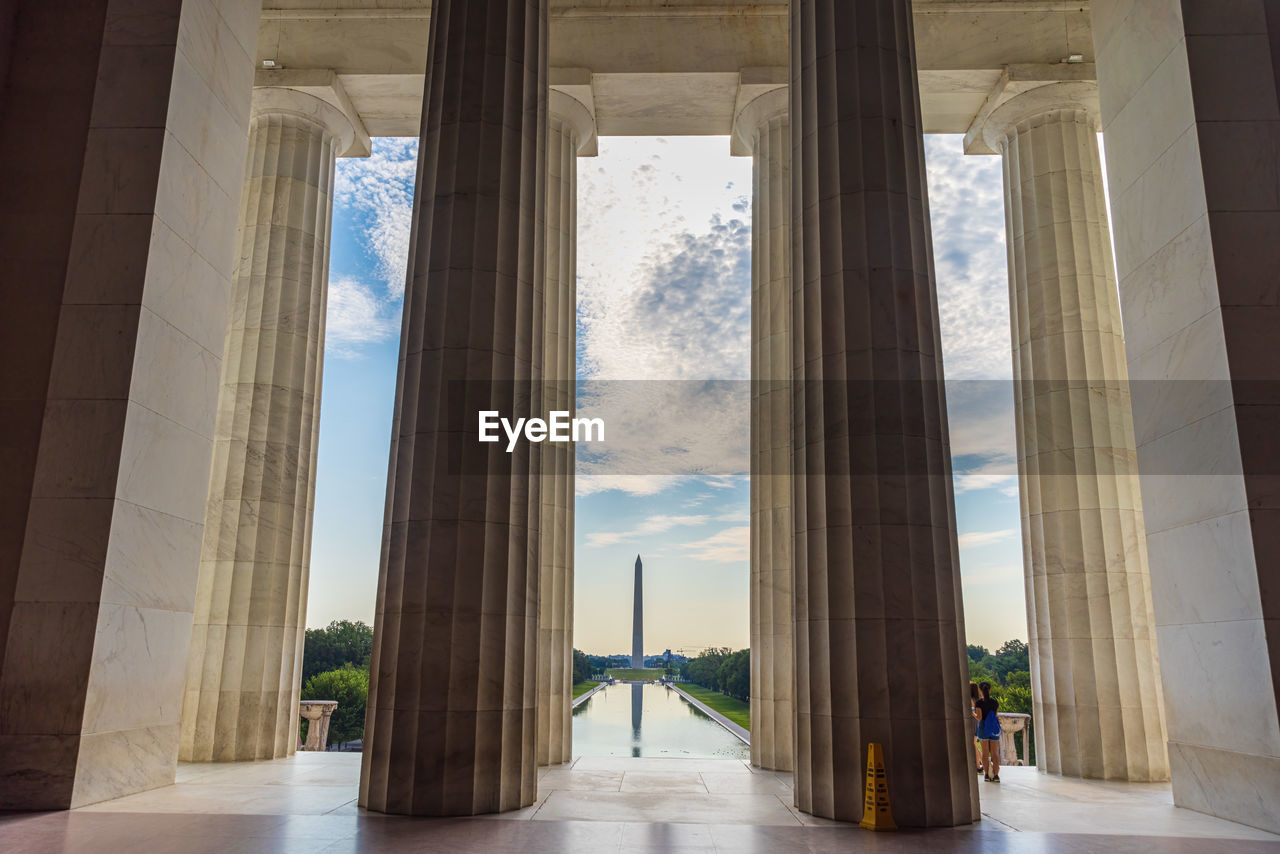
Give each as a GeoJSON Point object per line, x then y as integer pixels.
{"type": "Point", "coordinates": [637, 624]}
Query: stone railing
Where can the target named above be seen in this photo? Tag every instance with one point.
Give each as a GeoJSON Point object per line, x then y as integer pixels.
{"type": "Point", "coordinates": [1010, 723]}
{"type": "Point", "coordinates": [317, 714]}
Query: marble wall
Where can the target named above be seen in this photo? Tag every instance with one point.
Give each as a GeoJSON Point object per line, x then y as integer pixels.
{"type": "Point", "coordinates": [130, 120]}
{"type": "Point", "coordinates": [1191, 126]}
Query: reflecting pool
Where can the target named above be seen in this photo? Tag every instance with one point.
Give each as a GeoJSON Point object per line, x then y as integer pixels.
{"type": "Point", "coordinates": [633, 719]}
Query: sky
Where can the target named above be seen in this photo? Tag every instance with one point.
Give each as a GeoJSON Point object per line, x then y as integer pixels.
{"type": "Point", "coordinates": [664, 267]}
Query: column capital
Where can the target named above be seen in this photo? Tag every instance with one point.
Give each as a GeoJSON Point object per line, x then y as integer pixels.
{"type": "Point", "coordinates": [755, 114]}
{"type": "Point", "coordinates": [577, 115]}
{"type": "Point", "coordinates": [1015, 99]}
{"type": "Point", "coordinates": [316, 95]}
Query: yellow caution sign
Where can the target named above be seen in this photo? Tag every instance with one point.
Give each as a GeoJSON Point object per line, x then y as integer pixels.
{"type": "Point", "coordinates": [876, 812]}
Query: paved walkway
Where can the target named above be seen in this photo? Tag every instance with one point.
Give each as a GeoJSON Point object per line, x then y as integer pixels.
{"type": "Point", "coordinates": [578, 701]}
{"type": "Point", "coordinates": [606, 804]}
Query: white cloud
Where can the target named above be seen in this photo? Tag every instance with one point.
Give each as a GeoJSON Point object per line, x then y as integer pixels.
{"type": "Point", "coordinates": [630, 484]}
{"type": "Point", "coordinates": [976, 539]}
{"type": "Point", "coordinates": [1006, 577]}
{"type": "Point", "coordinates": [732, 545]}
{"type": "Point", "coordinates": [683, 313]}
{"type": "Point", "coordinates": [374, 193]}
{"type": "Point", "coordinates": [983, 447]}
{"type": "Point", "coordinates": [977, 431]}
{"type": "Point", "coordinates": [657, 524]}
{"type": "Point", "coordinates": [379, 191]}
{"type": "Point", "coordinates": [354, 317]}
{"type": "Point", "coordinates": [966, 204]}
{"type": "Point", "coordinates": [650, 526]}
{"type": "Point", "coordinates": [673, 428]}
{"type": "Point", "coordinates": [606, 538]}
{"type": "Point", "coordinates": [664, 261]}
{"type": "Point", "coordinates": [664, 292]}
{"type": "Point", "coordinates": [998, 473]}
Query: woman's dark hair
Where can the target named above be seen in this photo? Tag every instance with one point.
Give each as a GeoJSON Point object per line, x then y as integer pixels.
{"type": "Point", "coordinates": [973, 690]}
{"type": "Point", "coordinates": [985, 688]}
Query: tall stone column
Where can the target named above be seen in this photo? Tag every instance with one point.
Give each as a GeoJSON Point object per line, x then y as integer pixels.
{"type": "Point", "coordinates": [244, 665]}
{"type": "Point", "coordinates": [570, 131]}
{"type": "Point", "coordinates": [763, 129]}
{"type": "Point", "coordinates": [451, 721]}
{"type": "Point", "coordinates": [1095, 676]}
{"type": "Point", "coordinates": [880, 650]}
{"type": "Point", "coordinates": [118, 245]}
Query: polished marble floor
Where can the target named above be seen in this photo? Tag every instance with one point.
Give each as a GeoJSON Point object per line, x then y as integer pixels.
{"type": "Point", "coordinates": [604, 804]}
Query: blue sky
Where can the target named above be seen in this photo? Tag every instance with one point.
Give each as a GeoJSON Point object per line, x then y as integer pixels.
{"type": "Point", "coordinates": [664, 294]}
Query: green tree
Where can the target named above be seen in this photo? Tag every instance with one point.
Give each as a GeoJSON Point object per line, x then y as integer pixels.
{"type": "Point", "coordinates": [705, 669]}
{"type": "Point", "coordinates": [341, 642]}
{"type": "Point", "coordinates": [1008, 670]}
{"type": "Point", "coordinates": [978, 672]}
{"type": "Point", "coordinates": [1016, 697]}
{"type": "Point", "coordinates": [721, 669]}
{"type": "Point", "coordinates": [349, 685]}
{"type": "Point", "coordinates": [1013, 698]}
{"type": "Point", "coordinates": [735, 675]}
{"type": "Point", "coordinates": [1012, 656]}
{"type": "Point", "coordinates": [1018, 679]}
{"type": "Point", "coordinates": [581, 666]}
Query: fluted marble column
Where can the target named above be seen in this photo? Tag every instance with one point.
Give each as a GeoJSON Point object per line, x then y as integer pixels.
{"type": "Point", "coordinates": [880, 650]}
{"type": "Point", "coordinates": [451, 721]}
{"type": "Point", "coordinates": [1094, 666]}
{"type": "Point", "coordinates": [243, 668]}
{"type": "Point", "coordinates": [570, 128]}
{"type": "Point", "coordinates": [763, 128]}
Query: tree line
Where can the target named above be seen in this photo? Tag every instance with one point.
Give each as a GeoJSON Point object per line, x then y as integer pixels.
{"type": "Point", "coordinates": [335, 666]}
{"type": "Point", "coordinates": [1008, 670]}
{"type": "Point", "coordinates": [582, 668]}
{"type": "Point", "coordinates": [721, 669]}
{"type": "Point", "coordinates": [598, 664]}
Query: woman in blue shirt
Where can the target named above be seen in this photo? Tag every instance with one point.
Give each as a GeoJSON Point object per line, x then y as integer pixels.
{"type": "Point", "coordinates": [989, 732]}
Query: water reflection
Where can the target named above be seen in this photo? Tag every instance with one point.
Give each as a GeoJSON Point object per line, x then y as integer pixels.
{"type": "Point", "coordinates": [637, 710]}
{"type": "Point", "coordinates": [661, 724]}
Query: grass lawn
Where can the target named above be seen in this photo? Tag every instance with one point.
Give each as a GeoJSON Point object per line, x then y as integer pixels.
{"type": "Point", "coordinates": [733, 709]}
{"type": "Point", "coordinates": [647, 674]}
{"type": "Point", "coordinates": [581, 688]}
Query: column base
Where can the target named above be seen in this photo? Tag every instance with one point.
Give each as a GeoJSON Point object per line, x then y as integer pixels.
{"type": "Point", "coordinates": [1239, 787]}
